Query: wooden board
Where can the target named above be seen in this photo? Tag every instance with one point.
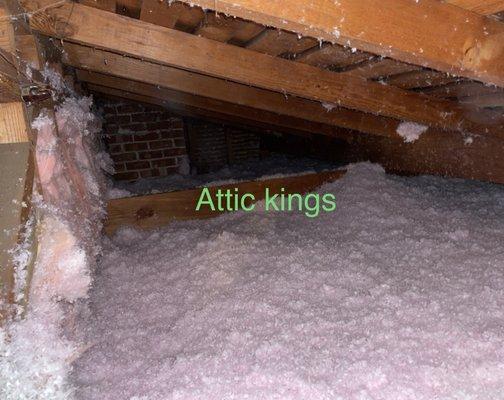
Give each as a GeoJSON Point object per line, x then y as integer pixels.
{"type": "Point", "coordinates": [16, 179]}
{"type": "Point", "coordinates": [129, 68]}
{"type": "Point", "coordinates": [333, 57]}
{"type": "Point", "coordinates": [462, 89]}
{"type": "Point", "coordinates": [190, 105]}
{"type": "Point", "coordinates": [427, 32]}
{"type": "Point", "coordinates": [227, 29]}
{"type": "Point", "coordinates": [485, 7]}
{"type": "Point", "coordinates": [153, 211]}
{"type": "Point", "coordinates": [177, 15]}
{"type": "Point", "coordinates": [277, 42]}
{"type": "Point", "coordinates": [379, 68]}
{"type": "Point", "coordinates": [13, 128]}
{"type": "Point", "coordinates": [169, 47]}
{"type": "Point", "coordinates": [421, 79]}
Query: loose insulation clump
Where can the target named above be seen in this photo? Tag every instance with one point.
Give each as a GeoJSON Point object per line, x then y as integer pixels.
{"type": "Point", "coordinates": [36, 351]}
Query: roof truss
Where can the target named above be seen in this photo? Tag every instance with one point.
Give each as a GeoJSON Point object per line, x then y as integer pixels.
{"type": "Point", "coordinates": [168, 47]}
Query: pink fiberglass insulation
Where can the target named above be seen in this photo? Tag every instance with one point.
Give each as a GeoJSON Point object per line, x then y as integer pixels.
{"type": "Point", "coordinates": [35, 354]}
{"type": "Point", "coordinates": [399, 294]}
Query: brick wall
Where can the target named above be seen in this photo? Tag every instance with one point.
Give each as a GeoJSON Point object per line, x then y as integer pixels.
{"type": "Point", "coordinates": [147, 141]}
{"type": "Point", "coordinates": [143, 140]}
{"type": "Point", "coordinates": [214, 145]}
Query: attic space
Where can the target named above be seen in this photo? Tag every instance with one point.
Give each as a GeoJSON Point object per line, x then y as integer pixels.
{"type": "Point", "coordinates": [251, 199]}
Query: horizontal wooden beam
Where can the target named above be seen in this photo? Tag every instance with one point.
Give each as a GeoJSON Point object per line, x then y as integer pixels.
{"type": "Point", "coordinates": [188, 82]}
{"type": "Point", "coordinates": [484, 7]}
{"type": "Point", "coordinates": [165, 46]}
{"type": "Point", "coordinates": [152, 211]}
{"type": "Point", "coordinates": [446, 37]}
{"type": "Point", "coordinates": [191, 105]}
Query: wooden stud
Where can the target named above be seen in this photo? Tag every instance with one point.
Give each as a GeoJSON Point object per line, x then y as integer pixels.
{"type": "Point", "coordinates": [13, 127]}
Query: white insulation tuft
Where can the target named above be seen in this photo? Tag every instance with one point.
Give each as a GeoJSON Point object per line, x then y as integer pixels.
{"type": "Point", "coordinates": [36, 352]}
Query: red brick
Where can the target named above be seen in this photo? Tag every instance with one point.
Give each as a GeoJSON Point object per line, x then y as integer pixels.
{"type": "Point", "coordinates": [137, 165]}
{"type": "Point", "coordinates": [143, 117]}
{"type": "Point", "coordinates": [119, 138]}
{"type": "Point", "coordinates": [168, 115]}
{"type": "Point", "coordinates": [179, 143]}
{"type": "Point", "coordinates": [109, 109]}
{"type": "Point", "coordinates": [177, 124]}
{"type": "Point", "coordinates": [115, 148]}
{"type": "Point", "coordinates": [161, 144]}
{"type": "Point", "coordinates": [170, 170]}
{"type": "Point", "coordinates": [124, 157]}
{"type": "Point", "coordinates": [119, 167]}
{"type": "Point", "coordinates": [129, 108]}
{"type": "Point", "coordinates": [146, 136]}
{"type": "Point", "coordinates": [174, 152]}
{"type": "Point", "coordinates": [134, 127]}
{"type": "Point", "coordinates": [126, 176]}
{"type": "Point", "coordinates": [135, 146]}
{"type": "Point", "coordinates": [149, 173]}
{"type": "Point", "coordinates": [165, 162]}
{"type": "Point", "coordinates": [111, 129]}
{"type": "Point", "coordinates": [119, 119]}
{"type": "Point", "coordinates": [150, 107]}
{"type": "Point", "coordinates": [166, 134]}
{"type": "Point", "coordinates": [152, 126]}
{"type": "Point", "coordinates": [146, 155]}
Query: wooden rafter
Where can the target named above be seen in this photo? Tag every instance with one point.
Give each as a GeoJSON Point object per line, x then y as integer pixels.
{"type": "Point", "coordinates": [484, 7]}
{"type": "Point", "coordinates": [428, 32]}
{"type": "Point", "coordinates": [94, 27]}
{"type": "Point", "coordinates": [186, 103]}
{"type": "Point", "coordinates": [187, 82]}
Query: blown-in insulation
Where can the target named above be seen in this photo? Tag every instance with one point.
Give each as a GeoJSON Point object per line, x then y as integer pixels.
{"type": "Point", "coordinates": [36, 351]}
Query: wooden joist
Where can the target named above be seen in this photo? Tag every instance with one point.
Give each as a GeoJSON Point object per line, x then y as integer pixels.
{"type": "Point", "coordinates": [463, 89]}
{"type": "Point", "coordinates": [187, 82]}
{"type": "Point", "coordinates": [484, 7]}
{"type": "Point", "coordinates": [191, 105]}
{"type": "Point", "coordinates": [164, 46]}
{"type": "Point", "coordinates": [428, 32]}
{"type": "Point", "coordinates": [155, 210]}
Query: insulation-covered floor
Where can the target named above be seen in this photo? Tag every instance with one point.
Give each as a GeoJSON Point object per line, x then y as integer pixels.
{"type": "Point", "coordinates": [399, 294]}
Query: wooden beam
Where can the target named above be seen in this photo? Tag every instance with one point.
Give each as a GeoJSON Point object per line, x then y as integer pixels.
{"type": "Point", "coordinates": [177, 15]}
{"type": "Point", "coordinates": [188, 104]}
{"type": "Point", "coordinates": [187, 82]}
{"type": "Point", "coordinates": [152, 211]}
{"type": "Point", "coordinates": [16, 179]}
{"type": "Point", "coordinates": [165, 46]}
{"type": "Point", "coordinates": [462, 89]}
{"type": "Point", "coordinates": [488, 100]}
{"type": "Point", "coordinates": [13, 127]}
{"type": "Point", "coordinates": [484, 7]}
{"type": "Point", "coordinates": [420, 79]}
{"type": "Point", "coordinates": [446, 37]}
